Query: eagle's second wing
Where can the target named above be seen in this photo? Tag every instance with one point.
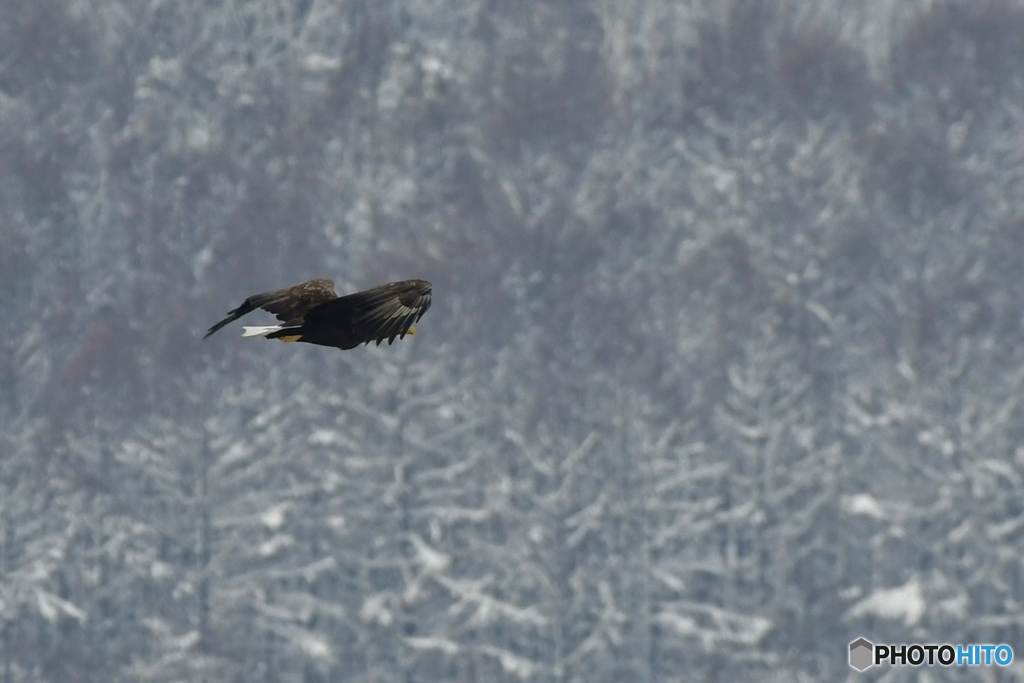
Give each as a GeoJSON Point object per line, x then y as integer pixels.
{"type": "Point", "coordinates": [289, 304]}
{"type": "Point", "coordinates": [384, 312]}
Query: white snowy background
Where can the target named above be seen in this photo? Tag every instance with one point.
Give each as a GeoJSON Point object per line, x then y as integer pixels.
{"type": "Point", "coordinates": [724, 368]}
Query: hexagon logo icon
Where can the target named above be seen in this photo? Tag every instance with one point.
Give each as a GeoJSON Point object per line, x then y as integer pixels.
{"type": "Point", "coordinates": [861, 654]}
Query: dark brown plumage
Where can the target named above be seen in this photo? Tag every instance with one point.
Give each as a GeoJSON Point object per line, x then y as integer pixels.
{"type": "Point", "coordinates": [311, 312]}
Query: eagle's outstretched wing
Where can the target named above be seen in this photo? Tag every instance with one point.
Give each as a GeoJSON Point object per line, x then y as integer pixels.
{"type": "Point", "coordinates": [384, 312]}
{"type": "Point", "coordinates": [290, 304]}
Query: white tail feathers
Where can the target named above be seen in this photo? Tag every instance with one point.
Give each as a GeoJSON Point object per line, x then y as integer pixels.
{"type": "Point", "coordinates": [260, 331]}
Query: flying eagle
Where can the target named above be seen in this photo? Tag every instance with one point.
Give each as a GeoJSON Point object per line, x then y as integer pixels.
{"type": "Point", "coordinates": [311, 312]}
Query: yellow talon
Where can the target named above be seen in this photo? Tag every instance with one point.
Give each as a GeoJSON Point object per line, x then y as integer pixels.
{"type": "Point", "coordinates": [291, 337]}
{"type": "Point", "coordinates": [412, 330]}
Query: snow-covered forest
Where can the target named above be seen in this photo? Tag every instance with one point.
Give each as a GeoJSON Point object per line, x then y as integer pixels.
{"type": "Point", "coordinates": [724, 367]}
